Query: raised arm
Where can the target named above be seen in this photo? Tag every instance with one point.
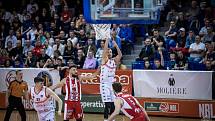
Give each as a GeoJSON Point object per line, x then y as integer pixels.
{"type": "Point", "coordinates": [119, 53]}
{"type": "Point", "coordinates": [58, 85]}
{"type": "Point", "coordinates": [105, 51]}
{"type": "Point", "coordinates": [54, 95]}
{"type": "Point", "coordinates": [88, 77]}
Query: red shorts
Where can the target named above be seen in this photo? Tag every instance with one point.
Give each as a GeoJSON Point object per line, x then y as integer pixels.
{"type": "Point", "coordinates": [139, 118]}
{"type": "Point", "coordinates": [73, 109]}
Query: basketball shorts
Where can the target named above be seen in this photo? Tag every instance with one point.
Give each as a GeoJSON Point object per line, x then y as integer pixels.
{"type": "Point", "coordinates": [73, 109]}
{"type": "Point", "coordinates": [107, 92]}
{"type": "Point", "coordinates": [49, 117]}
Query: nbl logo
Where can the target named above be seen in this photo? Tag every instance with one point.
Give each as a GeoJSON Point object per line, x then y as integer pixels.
{"type": "Point", "coordinates": [11, 76]}
{"type": "Point", "coordinates": [171, 80]}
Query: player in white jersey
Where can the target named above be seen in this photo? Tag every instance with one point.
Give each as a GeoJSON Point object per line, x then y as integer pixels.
{"type": "Point", "coordinates": [107, 74]}
{"type": "Point", "coordinates": [72, 106]}
{"type": "Point", "coordinates": [43, 102]}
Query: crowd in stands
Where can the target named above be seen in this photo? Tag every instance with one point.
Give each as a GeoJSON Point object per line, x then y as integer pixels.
{"type": "Point", "coordinates": [55, 37]}
{"type": "Point", "coordinates": [187, 44]}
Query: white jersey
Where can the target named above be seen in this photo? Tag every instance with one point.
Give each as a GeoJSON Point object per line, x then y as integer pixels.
{"type": "Point", "coordinates": [108, 71]}
{"type": "Point", "coordinates": [42, 103]}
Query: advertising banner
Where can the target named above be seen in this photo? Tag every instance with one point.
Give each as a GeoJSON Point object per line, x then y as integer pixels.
{"type": "Point", "coordinates": [92, 86]}
{"type": "Point", "coordinates": [173, 84]}
{"type": "Point", "coordinates": [182, 108]}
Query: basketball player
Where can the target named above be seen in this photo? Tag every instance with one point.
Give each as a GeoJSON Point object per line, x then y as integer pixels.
{"type": "Point", "coordinates": [72, 106]}
{"type": "Point", "coordinates": [43, 102]}
{"type": "Point", "coordinates": [107, 73]}
{"type": "Point", "coordinates": [128, 105]}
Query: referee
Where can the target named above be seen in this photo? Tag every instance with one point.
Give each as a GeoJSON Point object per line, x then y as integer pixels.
{"type": "Point", "coordinates": [16, 90]}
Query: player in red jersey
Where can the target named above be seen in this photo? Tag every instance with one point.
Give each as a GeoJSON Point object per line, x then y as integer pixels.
{"type": "Point", "coordinates": [72, 106]}
{"type": "Point", "coordinates": [128, 105]}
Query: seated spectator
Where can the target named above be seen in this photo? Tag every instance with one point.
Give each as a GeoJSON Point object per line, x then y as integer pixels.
{"type": "Point", "coordinates": [172, 61]}
{"type": "Point", "coordinates": [48, 48]}
{"type": "Point", "coordinates": [90, 46]}
{"type": "Point", "coordinates": [190, 39]}
{"type": "Point", "coordinates": [49, 64]}
{"type": "Point", "coordinates": [82, 39]}
{"type": "Point", "coordinates": [42, 58]}
{"type": "Point", "coordinates": [8, 64]}
{"type": "Point", "coordinates": [58, 46]}
{"type": "Point", "coordinates": [158, 65]}
{"type": "Point", "coordinates": [196, 50]}
{"type": "Point", "coordinates": [18, 63]}
{"type": "Point", "coordinates": [27, 47]}
{"type": "Point", "coordinates": [181, 61]}
{"type": "Point", "coordinates": [37, 49]}
{"type": "Point", "coordinates": [147, 51]}
{"type": "Point", "coordinates": [157, 39]}
{"type": "Point", "coordinates": [72, 38]}
{"type": "Point", "coordinates": [30, 60]}
{"type": "Point", "coordinates": [210, 54]}
{"type": "Point", "coordinates": [181, 38]}
{"type": "Point", "coordinates": [209, 66]}
{"type": "Point", "coordinates": [11, 37]}
{"type": "Point", "coordinates": [209, 36]}
{"type": "Point", "coordinates": [171, 35]}
{"type": "Point", "coordinates": [18, 50]}
{"type": "Point", "coordinates": [63, 37]}
{"type": "Point", "coordinates": [70, 51]}
{"type": "Point", "coordinates": [172, 15]}
{"type": "Point", "coordinates": [90, 61]}
{"type": "Point", "coordinates": [79, 60]}
{"type": "Point", "coordinates": [9, 48]}
{"type": "Point", "coordinates": [203, 30]}
{"type": "Point", "coordinates": [147, 65]}
{"type": "Point", "coordinates": [99, 52]}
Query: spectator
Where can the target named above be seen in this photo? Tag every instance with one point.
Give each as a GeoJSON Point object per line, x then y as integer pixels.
{"type": "Point", "coordinates": [172, 15]}
{"type": "Point", "coordinates": [172, 61]}
{"type": "Point", "coordinates": [49, 64]}
{"type": "Point", "coordinates": [90, 62]}
{"type": "Point", "coordinates": [70, 51]}
{"type": "Point", "coordinates": [171, 35]}
{"type": "Point", "coordinates": [30, 60]}
{"type": "Point", "coordinates": [11, 37]}
{"type": "Point", "coordinates": [48, 48]}
{"type": "Point", "coordinates": [72, 38]}
{"type": "Point", "coordinates": [181, 38]}
{"type": "Point", "coordinates": [63, 37]}
{"type": "Point", "coordinates": [194, 10]}
{"type": "Point", "coordinates": [99, 52]}
{"type": "Point", "coordinates": [79, 61]}
{"type": "Point", "coordinates": [37, 49]}
{"type": "Point", "coordinates": [209, 66]}
{"type": "Point", "coordinates": [18, 50]}
{"type": "Point", "coordinates": [8, 64]}
{"type": "Point", "coordinates": [147, 65]}
{"type": "Point", "coordinates": [42, 58]}
{"type": "Point", "coordinates": [59, 46]}
{"type": "Point", "coordinates": [157, 39]}
{"type": "Point", "coordinates": [203, 30]}
{"type": "Point", "coordinates": [49, 39]}
{"type": "Point", "coordinates": [208, 37]}
{"type": "Point", "coordinates": [147, 51]}
{"type": "Point", "coordinates": [82, 39]}
{"type": "Point", "coordinates": [89, 47]}
{"type": "Point", "coordinates": [190, 39]}
{"type": "Point", "coordinates": [32, 34]}
{"type": "Point", "coordinates": [181, 61]}
{"type": "Point", "coordinates": [158, 65]}
{"type": "Point", "coordinates": [210, 54]}
{"type": "Point", "coordinates": [9, 48]}
{"type": "Point", "coordinates": [196, 50]}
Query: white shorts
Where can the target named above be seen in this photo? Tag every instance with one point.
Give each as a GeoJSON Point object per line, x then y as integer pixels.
{"type": "Point", "coordinates": [49, 117]}
{"type": "Point", "coordinates": [107, 92]}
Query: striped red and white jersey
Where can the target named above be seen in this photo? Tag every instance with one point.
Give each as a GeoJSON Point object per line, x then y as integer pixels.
{"type": "Point", "coordinates": [73, 89]}
{"type": "Point", "coordinates": [130, 107]}
{"type": "Point", "coordinates": [42, 103]}
{"type": "Point", "coordinates": [108, 71]}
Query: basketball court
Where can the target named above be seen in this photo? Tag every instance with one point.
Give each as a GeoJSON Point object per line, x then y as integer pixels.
{"type": "Point", "coordinates": [32, 116]}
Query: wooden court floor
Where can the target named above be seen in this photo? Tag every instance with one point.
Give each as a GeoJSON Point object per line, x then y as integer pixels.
{"type": "Point", "coordinates": [32, 116]}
